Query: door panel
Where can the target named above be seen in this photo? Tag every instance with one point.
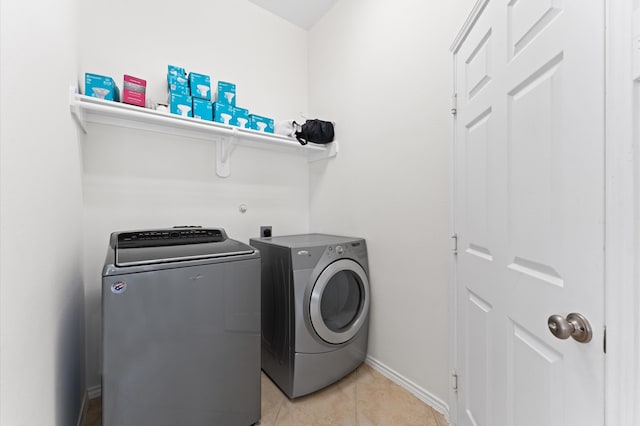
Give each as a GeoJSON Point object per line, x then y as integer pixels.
{"type": "Point", "coordinates": [535, 386]}
{"type": "Point", "coordinates": [477, 184]}
{"type": "Point", "coordinates": [478, 355]}
{"type": "Point", "coordinates": [476, 198]}
{"type": "Point", "coordinates": [527, 19]}
{"type": "Point", "coordinates": [528, 212]}
{"type": "Point", "coordinates": [478, 66]}
{"type": "Point", "coordinates": [534, 118]}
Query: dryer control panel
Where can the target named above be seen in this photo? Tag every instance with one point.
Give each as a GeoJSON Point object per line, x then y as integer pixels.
{"type": "Point", "coordinates": [341, 249]}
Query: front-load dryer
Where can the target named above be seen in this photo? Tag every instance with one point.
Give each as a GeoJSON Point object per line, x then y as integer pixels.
{"type": "Point", "coordinates": [315, 309]}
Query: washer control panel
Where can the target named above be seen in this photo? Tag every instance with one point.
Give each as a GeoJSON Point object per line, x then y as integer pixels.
{"type": "Point", "coordinates": [169, 237]}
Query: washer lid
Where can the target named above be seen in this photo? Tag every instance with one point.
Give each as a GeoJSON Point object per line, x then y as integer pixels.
{"type": "Point", "coordinates": [174, 244]}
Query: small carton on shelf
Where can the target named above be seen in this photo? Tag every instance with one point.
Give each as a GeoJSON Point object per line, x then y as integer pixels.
{"type": "Point", "coordinates": [134, 90]}
{"type": "Point", "coordinates": [222, 113]}
{"type": "Point", "coordinates": [227, 93]}
{"type": "Point", "coordinates": [261, 124]}
{"type": "Point", "coordinates": [200, 85]}
{"type": "Point", "coordinates": [241, 118]}
{"type": "Point", "coordinates": [100, 86]}
{"type": "Point", "coordinates": [181, 105]}
{"type": "Point", "coordinates": [178, 85]}
{"type": "Point", "coordinates": [174, 71]}
{"type": "Point", "coordinates": [202, 109]}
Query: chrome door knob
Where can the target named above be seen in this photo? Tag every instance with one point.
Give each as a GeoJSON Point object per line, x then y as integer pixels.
{"type": "Point", "coordinates": [559, 326]}
{"type": "Point", "coordinates": [575, 325]}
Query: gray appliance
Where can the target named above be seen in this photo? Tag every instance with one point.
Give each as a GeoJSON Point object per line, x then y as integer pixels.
{"type": "Point", "coordinates": [181, 329]}
{"type": "Point", "coordinates": [315, 309]}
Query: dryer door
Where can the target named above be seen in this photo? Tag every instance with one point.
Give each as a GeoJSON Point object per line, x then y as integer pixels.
{"type": "Point", "coordinates": [339, 301]}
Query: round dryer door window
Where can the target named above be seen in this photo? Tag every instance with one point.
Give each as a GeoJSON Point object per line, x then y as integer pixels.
{"type": "Point", "coordinates": [339, 301]}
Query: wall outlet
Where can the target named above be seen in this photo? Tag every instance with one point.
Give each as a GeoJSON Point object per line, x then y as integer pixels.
{"type": "Point", "coordinates": [265, 231]}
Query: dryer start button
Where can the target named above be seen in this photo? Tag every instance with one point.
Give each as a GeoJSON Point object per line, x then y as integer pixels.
{"type": "Point", "coordinates": [339, 249]}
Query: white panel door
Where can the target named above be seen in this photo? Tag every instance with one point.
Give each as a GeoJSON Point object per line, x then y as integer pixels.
{"type": "Point", "coordinates": [529, 213]}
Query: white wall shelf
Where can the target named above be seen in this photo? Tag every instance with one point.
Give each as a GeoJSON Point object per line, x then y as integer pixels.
{"type": "Point", "coordinates": [86, 109]}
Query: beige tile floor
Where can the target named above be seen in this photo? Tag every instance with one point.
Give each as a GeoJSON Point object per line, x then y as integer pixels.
{"type": "Point", "coordinates": [364, 397]}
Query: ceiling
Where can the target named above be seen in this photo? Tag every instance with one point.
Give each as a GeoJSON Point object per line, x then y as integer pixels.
{"type": "Point", "coordinates": [303, 13]}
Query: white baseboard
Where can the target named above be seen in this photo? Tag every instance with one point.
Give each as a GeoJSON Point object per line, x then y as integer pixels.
{"type": "Point", "coordinates": [94, 391]}
{"type": "Point", "coordinates": [419, 392]}
{"type": "Point", "coordinates": [83, 409]}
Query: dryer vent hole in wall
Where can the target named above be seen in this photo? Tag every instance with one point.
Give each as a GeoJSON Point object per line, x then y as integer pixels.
{"type": "Point", "coordinates": [265, 231]}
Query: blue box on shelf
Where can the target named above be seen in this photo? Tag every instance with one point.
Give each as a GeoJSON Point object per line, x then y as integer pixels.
{"type": "Point", "coordinates": [174, 71]}
{"type": "Point", "coordinates": [200, 85]}
{"type": "Point", "coordinates": [178, 85]}
{"type": "Point", "coordinates": [241, 118]}
{"type": "Point", "coordinates": [261, 124]}
{"type": "Point", "coordinates": [100, 86]}
{"type": "Point", "coordinates": [223, 113]}
{"type": "Point", "coordinates": [181, 105]}
{"type": "Point", "coordinates": [202, 109]}
{"type": "Point", "coordinates": [227, 93]}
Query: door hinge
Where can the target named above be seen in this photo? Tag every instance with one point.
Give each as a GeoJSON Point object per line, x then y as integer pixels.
{"type": "Point", "coordinates": [454, 380]}
{"type": "Point", "coordinates": [454, 104]}
{"type": "Point", "coordinates": [604, 340]}
{"type": "Point", "coordinates": [454, 243]}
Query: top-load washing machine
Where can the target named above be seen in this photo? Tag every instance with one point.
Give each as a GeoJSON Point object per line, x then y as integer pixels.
{"type": "Point", "coordinates": [181, 329]}
{"type": "Point", "coordinates": [315, 305]}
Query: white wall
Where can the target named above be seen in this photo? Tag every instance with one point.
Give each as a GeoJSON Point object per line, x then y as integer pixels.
{"type": "Point", "coordinates": [135, 179]}
{"type": "Point", "coordinates": [382, 71]}
{"type": "Point", "coordinates": [42, 361]}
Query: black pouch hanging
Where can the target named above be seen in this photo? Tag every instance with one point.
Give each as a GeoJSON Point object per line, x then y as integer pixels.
{"type": "Point", "coordinates": [315, 131]}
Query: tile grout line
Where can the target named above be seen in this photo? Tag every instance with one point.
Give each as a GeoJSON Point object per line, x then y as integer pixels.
{"type": "Point", "coordinates": [433, 415]}
{"type": "Point", "coordinates": [355, 396]}
{"type": "Point", "coordinates": [275, 420]}
{"type": "Point", "coordinates": [359, 372]}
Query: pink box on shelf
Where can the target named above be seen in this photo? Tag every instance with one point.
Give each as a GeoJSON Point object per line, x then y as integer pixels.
{"type": "Point", "coordinates": [134, 91]}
